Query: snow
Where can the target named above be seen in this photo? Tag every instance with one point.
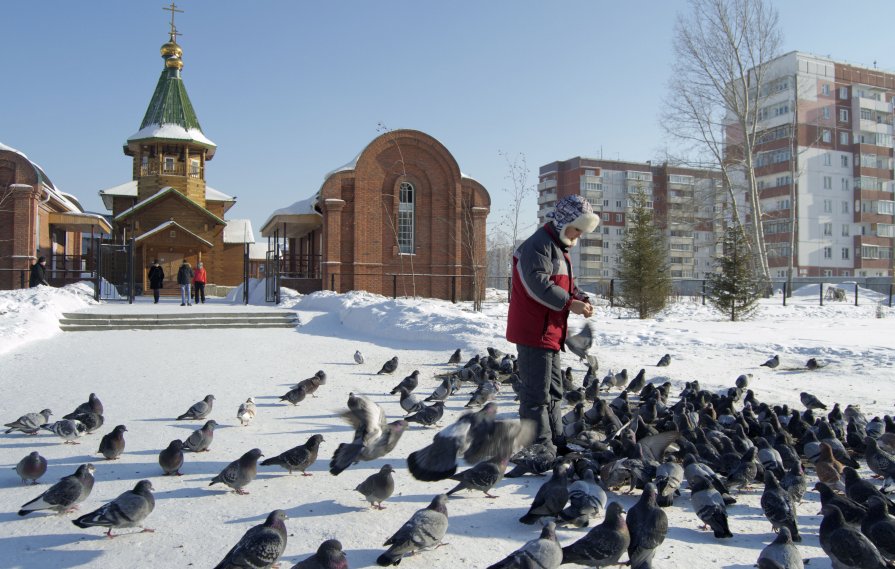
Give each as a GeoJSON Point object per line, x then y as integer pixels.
{"type": "Point", "coordinates": [238, 231]}
{"type": "Point", "coordinates": [146, 378]}
{"type": "Point", "coordinates": [171, 131]}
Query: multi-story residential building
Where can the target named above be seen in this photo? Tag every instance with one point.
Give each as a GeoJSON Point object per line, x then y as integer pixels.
{"type": "Point", "coordinates": [832, 181]}
{"type": "Point", "coordinates": [686, 203]}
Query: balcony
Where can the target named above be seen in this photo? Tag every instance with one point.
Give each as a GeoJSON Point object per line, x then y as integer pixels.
{"type": "Point", "coordinates": [547, 197]}
{"type": "Point", "coordinates": [546, 185]}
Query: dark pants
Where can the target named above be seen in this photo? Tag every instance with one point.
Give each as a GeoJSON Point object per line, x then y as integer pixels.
{"type": "Point", "coordinates": [541, 392]}
{"type": "Point", "coordinates": [155, 294]}
{"type": "Point", "coordinates": [197, 289]}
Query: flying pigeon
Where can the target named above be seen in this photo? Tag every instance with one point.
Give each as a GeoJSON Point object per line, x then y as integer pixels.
{"type": "Point", "coordinates": [64, 495]}
{"type": "Point", "coordinates": [780, 553]}
{"type": "Point", "coordinates": [171, 458]}
{"type": "Point", "coordinates": [664, 361]}
{"type": "Point", "coordinates": [32, 467]}
{"type": "Point", "coordinates": [580, 343]}
{"type": "Point", "coordinates": [126, 511]}
{"type": "Point", "coordinates": [67, 429]}
{"type": "Point", "coordinates": [358, 357]}
{"type": "Point", "coordinates": [200, 439]}
{"type": "Point", "coordinates": [544, 552]}
{"type": "Point", "coordinates": [374, 437]}
{"type": "Point", "coordinates": [199, 410]}
{"type": "Point", "coordinates": [604, 544]}
{"type": "Point", "coordinates": [29, 423]}
{"type": "Point", "coordinates": [112, 445]}
{"type": "Point", "coordinates": [648, 525]}
{"type": "Point", "coordinates": [409, 383]}
{"type": "Point", "coordinates": [92, 405]}
{"type": "Point", "coordinates": [239, 473]}
{"type": "Point", "coordinates": [427, 416]}
{"type": "Point", "coordinates": [298, 458]}
{"type": "Point", "coordinates": [424, 530]}
{"type": "Point", "coordinates": [551, 497]}
{"type": "Point", "coordinates": [772, 363]}
{"type": "Point", "coordinates": [260, 547]}
{"type": "Point", "coordinates": [378, 487]}
{"type": "Point", "coordinates": [455, 357]}
{"type": "Point", "coordinates": [389, 367]}
{"type": "Point", "coordinates": [483, 476]}
{"type": "Point", "coordinates": [246, 411]}
{"type": "Point", "coordinates": [329, 556]}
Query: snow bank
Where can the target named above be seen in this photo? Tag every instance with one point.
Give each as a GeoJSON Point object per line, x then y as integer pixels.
{"type": "Point", "coordinates": [33, 313]}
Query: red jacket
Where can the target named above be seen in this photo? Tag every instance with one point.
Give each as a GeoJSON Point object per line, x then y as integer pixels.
{"type": "Point", "coordinates": [200, 275]}
{"type": "Point", "coordinates": [543, 290]}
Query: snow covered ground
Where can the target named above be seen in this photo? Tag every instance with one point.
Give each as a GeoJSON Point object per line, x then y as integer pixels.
{"type": "Point", "coordinates": [147, 378]}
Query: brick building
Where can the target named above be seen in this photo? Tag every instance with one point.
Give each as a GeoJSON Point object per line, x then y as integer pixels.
{"type": "Point", "coordinates": [167, 208]}
{"type": "Point", "coordinates": [39, 220]}
{"type": "Point", "coordinates": [401, 218]}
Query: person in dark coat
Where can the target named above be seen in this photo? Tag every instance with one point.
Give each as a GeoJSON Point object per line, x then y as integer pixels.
{"type": "Point", "coordinates": [156, 279]}
{"type": "Point", "coordinates": [38, 273]}
{"type": "Point", "coordinates": [184, 279]}
{"type": "Point", "coordinates": [543, 295]}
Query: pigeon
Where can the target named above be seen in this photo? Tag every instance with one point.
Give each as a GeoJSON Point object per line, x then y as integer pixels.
{"type": "Point", "coordinates": [424, 530]}
{"type": "Point", "coordinates": [295, 395]}
{"type": "Point", "coordinates": [847, 547]}
{"type": "Point", "coordinates": [91, 421]}
{"type": "Point", "coordinates": [427, 416]}
{"type": "Point", "coordinates": [312, 383]}
{"type": "Point", "coordinates": [67, 429]}
{"type": "Point", "coordinates": [604, 544]}
{"type": "Point", "coordinates": [772, 363]}
{"type": "Point", "coordinates": [455, 358]}
{"type": "Point", "coordinates": [358, 357]}
{"type": "Point", "coordinates": [239, 473]}
{"type": "Point", "coordinates": [551, 497]}
{"type": "Point", "coordinates": [65, 495]}
{"type": "Point", "coordinates": [861, 490]}
{"type": "Point", "coordinates": [246, 411]}
{"type": "Point", "coordinates": [586, 500]}
{"type": "Point", "coordinates": [742, 381]}
{"type": "Point", "coordinates": [441, 392]}
{"type": "Point", "coordinates": [32, 467]}
{"type": "Point", "coordinates": [779, 507]}
{"type": "Point", "coordinates": [879, 461]}
{"type": "Point", "coordinates": [409, 383]}
{"type": "Point", "coordinates": [30, 423]}
{"type": "Point", "coordinates": [260, 547]}
{"type": "Point", "coordinates": [536, 458]}
{"type": "Point", "coordinates": [485, 392]}
{"type": "Point", "coordinates": [669, 476]}
{"type": "Point", "coordinates": [812, 364]}
{"type": "Point", "coordinates": [709, 506]}
{"type": "Point", "coordinates": [199, 410]}
{"type": "Point", "coordinates": [171, 458]}
{"type": "Point", "coordinates": [780, 553]}
{"type": "Point", "coordinates": [410, 403]}
{"type": "Point", "coordinates": [112, 445]}
{"type": "Point", "coordinates": [298, 458]}
{"type": "Point", "coordinates": [664, 361]}
{"type": "Point", "coordinates": [852, 511]}
{"type": "Point", "coordinates": [476, 436]}
{"type": "Point", "coordinates": [580, 343]}
{"type": "Point", "coordinates": [647, 525]}
{"type": "Point", "coordinates": [544, 552]}
{"type": "Point", "coordinates": [126, 511]}
{"type": "Point", "coordinates": [92, 405]}
{"type": "Point", "coordinates": [200, 440]}
{"type": "Point", "coordinates": [389, 367]}
{"type": "Point", "coordinates": [329, 556]}
{"type": "Point", "coordinates": [378, 487]}
{"type": "Point", "coordinates": [483, 476]}
{"type": "Point", "coordinates": [879, 527]}
{"type": "Point", "coordinates": [810, 401]}
{"type": "Point", "coordinates": [373, 436]}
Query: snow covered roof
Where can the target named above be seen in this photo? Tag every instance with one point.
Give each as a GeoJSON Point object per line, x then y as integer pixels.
{"type": "Point", "coordinates": [172, 224]}
{"type": "Point", "coordinates": [167, 191]}
{"type": "Point", "coordinates": [171, 132]}
{"type": "Point", "coordinates": [351, 165]}
{"type": "Point", "coordinates": [301, 215]}
{"type": "Point", "coordinates": [238, 231]}
{"type": "Point", "coordinates": [67, 201]}
{"type": "Point", "coordinates": [129, 190]}
{"type": "Point", "coordinates": [258, 251]}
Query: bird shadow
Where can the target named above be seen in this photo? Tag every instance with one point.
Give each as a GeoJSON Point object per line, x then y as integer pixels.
{"type": "Point", "coordinates": [321, 508]}
{"type": "Point", "coordinates": [26, 443]}
{"type": "Point", "coordinates": [38, 551]}
{"type": "Point", "coordinates": [185, 492]}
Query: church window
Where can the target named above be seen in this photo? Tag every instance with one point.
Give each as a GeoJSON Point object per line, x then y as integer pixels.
{"type": "Point", "coordinates": [194, 167]}
{"type": "Point", "coordinates": [169, 163]}
{"type": "Point", "coordinates": [406, 218]}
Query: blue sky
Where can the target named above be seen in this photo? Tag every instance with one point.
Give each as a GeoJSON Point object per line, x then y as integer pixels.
{"type": "Point", "coordinates": [290, 90]}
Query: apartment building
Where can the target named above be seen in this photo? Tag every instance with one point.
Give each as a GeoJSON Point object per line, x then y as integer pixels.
{"type": "Point", "coordinates": [686, 203]}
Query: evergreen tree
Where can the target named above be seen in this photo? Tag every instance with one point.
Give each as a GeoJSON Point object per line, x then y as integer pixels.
{"type": "Point", "coordinates": [734, 288]}
{"type": "Point", "coordinates": [643, 269]}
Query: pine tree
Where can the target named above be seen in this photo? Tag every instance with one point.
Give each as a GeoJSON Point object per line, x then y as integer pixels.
{"type": "Point", "coordinates": [734, 289]}
{"type": "Point", "coordinates": [643, 270]}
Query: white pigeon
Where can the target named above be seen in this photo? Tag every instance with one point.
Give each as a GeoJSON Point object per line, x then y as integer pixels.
{"type": "Point", "coordinates": [358, 357]}
{"type": "Point", "coordinates": [246, 411]}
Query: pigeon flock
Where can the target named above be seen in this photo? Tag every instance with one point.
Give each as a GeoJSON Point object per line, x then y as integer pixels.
{"type": "Point", "coordinates": [633, 450]}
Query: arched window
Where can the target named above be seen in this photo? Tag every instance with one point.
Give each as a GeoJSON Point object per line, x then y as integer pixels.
{"type": "Point", "coordinates": [405, 218]}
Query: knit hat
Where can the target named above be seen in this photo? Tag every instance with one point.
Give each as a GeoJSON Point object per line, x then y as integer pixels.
{"type": "Point", "coordinates": [574, 211]}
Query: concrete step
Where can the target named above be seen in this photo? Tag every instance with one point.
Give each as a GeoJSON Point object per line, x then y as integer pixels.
{"type": "Point", "coordinates": [77, 322]}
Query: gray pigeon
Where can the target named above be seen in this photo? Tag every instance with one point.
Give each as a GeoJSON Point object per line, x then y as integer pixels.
{"type": "Point", "coordinates": [535, 458]}
{"type": "Point", "coordinates": [64, 495]}
{"type": "Point", "coordinates": [441, 392]}
{"type": "Point", "coordinates": [126, 511]}
{"type": "Point", "coordinates": [604, 544]}
{"type": "Point", "coordinates": [410, 403]}
{"type": "Point", "coordinates": [374, 437]}
{"type": "Point", "coordinates": [239, 473]}
{"type": "Point", "coordinates": [586, 500]}
{"type": "Point", "coordinates": [246, 411]}
{"type": "Point", "coordinates": [483, 476]}
{"type": "Point", "coordinates": [112, 445]}
{"type": "Point", "coordinates": [32, 467]}
{"type": "Point", "coordinates": [200, 440]}
{"type": "Point", "coordinates": [67, 429]}
{"type": "Point", "coordinates": [92, 405]}
{"type": "Point", "coordinates": [314, 382]}
{"type": "Point", "coordinates": [484, 393]}
{"type": "Point", "coordinates": [551, 497]}
{"type": "Point", "coordinates": [742, 380]}
{"type": "Point", "coordinates": [91, 421]}
{"type": "Point", "coordinates": [424, 530]}
{"type": "Point", "coordinates": [648, 525]}
{"type": "Point", "coordinates": [295, 395]}
{"type": "Point", "coordinates": [847, 547]}
{"type": "Point", "coordinates": [455, 357]}
{"type": "Point", "coordinates": [29, 423]}
{"type": "Point", "coordinates": [409, 383]}
{"type": "Point", "coordinates": [664, 361]}
{"type": "Point", "coordinates": [879, 461]}
{"type": "Point", "coordinates": [199, 410]}
{"type": "Point", "coordinates": [298, 458]}
{"type": "Point", "coordinates": [389, 367]}
{"type": "Point", "coordinates": [260, 547]}
{"type": "Point", "coordinates": [378, 487]}
{"type": "Point", "coordinates": [709, 506]}
{"type": "Point", "coordinates": [358, 357]}
{"type": "Point", "coordinates": [171, 458]}
{"type": "Point", "coordinates": [580, 343]}
{"type": "Point", "coordinates": [810, 401]}
{"type": "Point", "coordinates": [427, 416]}
{"type": "Point", "coordinates": [779, 507]}
{"type": "Point", "coordinates": [772, 362]}
{"type": "Point", "coordinates": [542, 553]}
{"type": "Point", "coordinates": [329, 556]}
{"type": "Point", "coordinates": [780, 553]}
{"type": "Point", "coordinates": [669, 476]}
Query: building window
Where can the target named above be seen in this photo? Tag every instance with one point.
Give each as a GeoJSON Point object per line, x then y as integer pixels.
{"type": "Point", "coordinates": [828, 229]}
{"type": "Point", "coordinates": [843, 93]}
{"type": "Point", "coordinates": [844, 207]}
{"type": "Point", "coordinates": [825, 89]}
{"type": "Point", "coordinates": [618, 204]}
{"type": "Point", "coordinates": [405, 218]}
{"type": "Point", "coordinates": [825, 112]}
{"type": "Point", "coordinates": [828, 252]}
{"type": "Point", "coordinates": [169, 163]}
{"type": "Point", "coordinates": [618, 217]}
{"type": "Point", "coordinates": [844, 158]}
{"type": "Point", "coordinates": [828, 182]}
{"type": "Point", "coordinates": [825, 136]}
{"type": "Point", "coordinates": [828, 160]}
{"type": "Point", "coordinates": [605, 203]}
{"type": "Point", "coordinates": [194, 167]}
{"type": "Point", "coordinates": [843, 138]}
{"type": "Point", "coordinates": [845, 230]}
{"type": "Point", "coordinates": [828, 206]}
{"type": "Point", "coordinates": [843, 115]}
{"type": "Point", "coordinates": [845, 184]}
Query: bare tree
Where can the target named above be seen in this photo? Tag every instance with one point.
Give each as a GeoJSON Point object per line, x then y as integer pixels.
{"type": "Point", "coordinates": [722, 48]}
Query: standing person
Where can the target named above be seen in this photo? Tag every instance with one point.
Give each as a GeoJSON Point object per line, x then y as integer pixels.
{"type": "Point", "coordinates": [199, 281]}
{"type": "Point", "coordinates": [38, 273]}
{"type": "Point", "coordinates": [156, 279]}
{"type": "Point", "coordinates": [543, 294]}
{"type": "Point", "coordinates": [184, 278]}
